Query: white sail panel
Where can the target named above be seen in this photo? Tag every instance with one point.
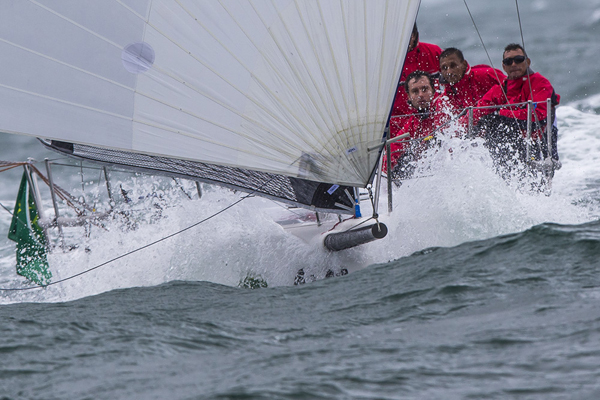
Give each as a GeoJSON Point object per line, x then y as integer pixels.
{"type": "Point", "coordinates": [301, 88]}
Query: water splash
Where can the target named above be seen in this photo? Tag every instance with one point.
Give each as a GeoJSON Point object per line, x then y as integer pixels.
{"type": "Point", "coordinates": [458, 199]}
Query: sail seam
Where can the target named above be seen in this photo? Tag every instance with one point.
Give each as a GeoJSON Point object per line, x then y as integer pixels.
{"type": "Point", "coordinates": [137, 80]}
{"type": "Point", "coordinates": [255, 78]}
{"type": "Point", "coordinates": [351, 66]}
{"type": "Point", "coordinates": [337, 74]}
{"type": "Point", "coordinates": [352, 160]}
{"type": "Point", "coordinates": [201, 139]}
{"type": "Point", "coordinates": [232, 110]}
{"type": "Point", "coordinates": [76, 24]}
{"type": "Point", "coordinates": [37, 53]}
{"type": "Point", "coordinates": [65, 102]}
{"type": "Point", "coordinates": [323, 97]}
{"type": "Point", "coordinates": [299, 80]}
{"type": "Point", "coordinates": [276, 71]}
{"type": "Point", "coordinates": [216, 73]}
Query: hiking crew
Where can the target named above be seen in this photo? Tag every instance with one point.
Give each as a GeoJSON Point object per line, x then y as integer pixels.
{"type": "Point", "coordinates": [505, 131]}
{"type": "Point", "coordinates": [422, 124]}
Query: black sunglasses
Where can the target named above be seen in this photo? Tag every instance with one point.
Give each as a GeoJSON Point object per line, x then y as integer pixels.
{"type": "Point", "coordinates": [516, 59]}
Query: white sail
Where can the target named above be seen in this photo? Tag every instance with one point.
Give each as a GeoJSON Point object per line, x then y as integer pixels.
{"type": "Point", "coordinates": [301, 88]}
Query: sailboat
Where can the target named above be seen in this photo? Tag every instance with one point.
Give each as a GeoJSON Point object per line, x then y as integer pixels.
{"type": "Point", "coordinates": [284, 99]}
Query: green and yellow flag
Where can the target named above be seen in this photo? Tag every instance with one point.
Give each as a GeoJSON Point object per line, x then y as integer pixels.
{"type": "Point", "coordinates": [32, 262]}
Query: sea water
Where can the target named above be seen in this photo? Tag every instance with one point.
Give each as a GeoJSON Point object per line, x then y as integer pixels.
{"type": "Point", "coordinates": [480, 291]}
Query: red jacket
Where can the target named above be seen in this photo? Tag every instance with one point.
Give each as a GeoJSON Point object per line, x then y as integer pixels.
{"type": "Point", "coordinates": [420, 126]}
{"type": "Point", "coordinates": [424, 57]}
{"type": "Point", "coordinates": [476, 82]}
{"type": "Point", "coordinates": [518, 91]}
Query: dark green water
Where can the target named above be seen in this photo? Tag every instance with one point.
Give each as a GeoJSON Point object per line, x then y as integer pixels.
{"type": "Point", "coordinates": [513, 317]}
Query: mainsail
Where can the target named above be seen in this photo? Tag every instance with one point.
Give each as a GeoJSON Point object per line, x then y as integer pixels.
{"type": "Point", "coordinates": [298, 88]}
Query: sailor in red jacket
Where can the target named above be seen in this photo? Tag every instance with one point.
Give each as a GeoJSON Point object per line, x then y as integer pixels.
{"type": "Point", "coordinates": [505, 131]}
{"type": "Point", "coordinates": [422, 57]}
{"type": "Point", "coordinates": [426, 118]}
{"type": "Point", "coordinates": [465, 85]}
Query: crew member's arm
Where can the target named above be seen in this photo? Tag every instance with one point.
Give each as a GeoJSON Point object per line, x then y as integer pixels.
{"type": "Point", "coordinates": [398, 149]}
{"type": "Point", "coordinates": [493, 97]}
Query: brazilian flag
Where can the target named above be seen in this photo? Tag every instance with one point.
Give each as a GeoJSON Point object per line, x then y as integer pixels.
{"type": "Point", "coordinates": [32, 262]}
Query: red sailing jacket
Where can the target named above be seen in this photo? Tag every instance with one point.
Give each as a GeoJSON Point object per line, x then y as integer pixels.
{"type": "Point", "coordinates": [420, 126]}
{"type": "Point", "coordinates": [476, 82]}
{"type": "Point", "coordinates": [424, 57]}
{"type": "Point", "coordinates": [519, 91]}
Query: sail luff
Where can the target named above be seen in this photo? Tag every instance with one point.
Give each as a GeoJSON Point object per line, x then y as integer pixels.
{"type": "Point", "coordinates": [379, 81]}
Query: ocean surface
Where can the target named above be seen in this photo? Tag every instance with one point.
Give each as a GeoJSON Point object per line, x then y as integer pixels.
{"type": "Point", "coordinates": [480, 290]}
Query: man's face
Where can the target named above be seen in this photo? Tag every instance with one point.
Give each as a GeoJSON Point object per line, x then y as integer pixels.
{"type": "Point", "coordinates": [452, 69]}
{"type": "Point", "coordinates": [420, 92]}
{"type": "Point", "coordinates": [515, 69]}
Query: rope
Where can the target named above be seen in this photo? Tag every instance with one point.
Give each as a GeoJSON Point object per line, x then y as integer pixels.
{"type": "Point", "coordinates": [7, 165]}
{"type": "Point", "coordinates": [63, 194]}
{"type": "Point", "coordinates": [7, 210]}
{"type": "Point", "coordinates": [520, 26]}
{"type": "Point", "coordinates": [523, 44]}
{"type": "Point", "coordinates": [481, 39]}
{"type": "Point", "coordinates": [488, 54]}
{"type": "Point", "coordinates": [128, 253]}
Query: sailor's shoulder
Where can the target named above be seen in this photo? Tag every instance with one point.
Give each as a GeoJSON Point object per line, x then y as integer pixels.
{"type": "Point", "coordinates": [486, 70]}
{"type": "Point", "coordinates": [539, 81]}
{"type": "Point", "coordinates": [537, 77]}
{"type": "Point", "coordinates": [430, 48]}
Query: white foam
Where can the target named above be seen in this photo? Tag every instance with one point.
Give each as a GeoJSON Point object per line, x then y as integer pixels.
{"type": "Point", "coordinates": [588, 104]}
{"type": "Point", "coordinates": [579, 149]}
{"type": "Point", "coordinates": [464, 200]}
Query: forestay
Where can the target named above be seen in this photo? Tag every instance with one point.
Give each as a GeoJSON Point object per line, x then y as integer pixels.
{"type": "Point", "coordinates": [300, 88]}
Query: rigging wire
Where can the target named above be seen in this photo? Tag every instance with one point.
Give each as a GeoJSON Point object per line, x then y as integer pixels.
{"type": "Point", "coordinates": [523, 44]}
{"type": "Point", "coordinates": [7, 210]}
{"type": "Point", "coordinates": [488, 54]}
{"type": "Point", "coordinates": [480, 38]}
{"type": "Point", "coordinates": [520, 25]}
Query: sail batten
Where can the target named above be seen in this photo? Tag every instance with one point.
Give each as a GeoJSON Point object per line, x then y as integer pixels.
{"type": "Point", "coordinates": [296, 88]}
